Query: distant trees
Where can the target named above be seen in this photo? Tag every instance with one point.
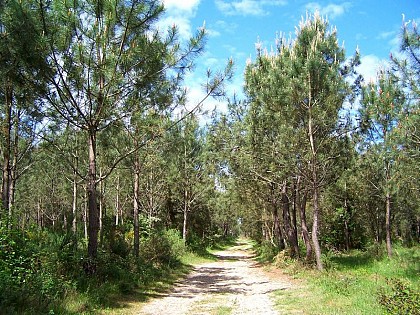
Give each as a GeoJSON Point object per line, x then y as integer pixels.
{"type": "Point", "coordinates": [19, 85]}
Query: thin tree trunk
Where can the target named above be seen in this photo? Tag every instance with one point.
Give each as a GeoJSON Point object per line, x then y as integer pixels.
{"type": "Point", "coordinates": [6, 130]}
{"type": "Point", "coordinates": [117, 201]}
{"type": "Point", "coordinates": [287, 222]}
{"type": "Point", "coordinates": [74, 204]}
{"type": "Point", "coordinates": [388, 224]}
{"type": "Point", "coordinates": [93, 227]}
{"type": "Point", "coordinates": [184, 223]}
{"type": "Point", "coordinates": [294, 221]}
{"type": "Point", "coordinates": [301, 204]}
{"type": "Point", "coordinates": [186, 201]}
{"type": "Point", "coordinates": [315, 229]}
{"type": "Point", "coordinates": [39, 215]}
{"type": "Point", "coordinates": [346, 223]}
{"type": "Point", "coordinates": [13, 166]}
{"type": "Point", "coordinates": [315, 188]}
{"type": "Point", "coordinates": [279, 241]}
{"type": "Point", "coordinates": [102, 209]}
{"type": "Point", "coordinates": [85, 216]}
{"type": "Point", "coordinates": [136, 206]}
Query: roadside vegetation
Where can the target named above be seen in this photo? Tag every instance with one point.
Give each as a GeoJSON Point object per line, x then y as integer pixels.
{"type": "Point", "coordinates": [354, 282]}
{"type": "Point", "coordinates": [40, 272]}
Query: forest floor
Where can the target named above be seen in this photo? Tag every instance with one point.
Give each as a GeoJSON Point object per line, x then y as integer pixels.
{"type": "Point", "coordinates": [234, 284]}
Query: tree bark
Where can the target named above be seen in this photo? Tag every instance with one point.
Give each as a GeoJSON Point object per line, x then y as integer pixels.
{"type": "Point", "coordinates": [117, 201]}
{"type": "Point", "coordinates": [293, 243]}
{"type": "Point", "coordinates": [74, 204]}
{"type": "Point", "coordinates": [278, 236]}
{"type": "Point", "coordinates": [185, 220]}
{"type": "Point", "coordinates": [85, 216]}
{"type": "Point", "coordinates": [315, 188]}
{"type": "Point", "coordinates": [388, 224]}
{"type": "Point", "coordinates": [136, 206]}
{"type": "Point", "coordinates": [102, 209]}
{"type": "Point", "coordinates": [13, 165]}
{"type": "Point", "coordinates": [315, 229]}
{"type": "Point", "coordinates": [186, 201]}
{"type": "Point", "coordinates": [6, 130]}
{"type": "Point", "coordinates": [301, 203]}
{"type": "Point", "coordinates": [93, 211]}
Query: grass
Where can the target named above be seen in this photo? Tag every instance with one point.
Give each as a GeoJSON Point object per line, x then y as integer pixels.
{"type": "Point", "coordinates": [351, 284]}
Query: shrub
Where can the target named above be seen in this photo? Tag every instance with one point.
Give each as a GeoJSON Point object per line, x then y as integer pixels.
{"type": "Point", "coordinates": [399, 298]}
{"type": "Point", "coordinates": [266, 251]}
{"type": "Point", "coordinates": [30, 271]}
{"type": "Point", "coordinates": [162, 248]}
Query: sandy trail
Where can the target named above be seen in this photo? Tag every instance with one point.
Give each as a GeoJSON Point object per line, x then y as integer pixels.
{"type": "Point", "coordinates": [234, 284]}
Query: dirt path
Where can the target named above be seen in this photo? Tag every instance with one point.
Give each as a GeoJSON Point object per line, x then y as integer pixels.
{"type": "Point", "coordinates": [234, 284]}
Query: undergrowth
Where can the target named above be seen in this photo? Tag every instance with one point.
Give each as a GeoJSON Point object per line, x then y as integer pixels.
{"type": "Point", "coordinates": [357, 282]}
{"type": "Point", "coordinates": [43, 272]}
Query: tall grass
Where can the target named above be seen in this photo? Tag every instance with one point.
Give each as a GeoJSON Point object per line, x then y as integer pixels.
{"type": "Point", "coordinates": [357, 283]}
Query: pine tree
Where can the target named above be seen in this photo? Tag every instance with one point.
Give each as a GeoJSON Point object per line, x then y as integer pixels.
{"type": "Point", "coordinates": [382, 105]}
{"type": "Point", "coordinates": [302, 87]}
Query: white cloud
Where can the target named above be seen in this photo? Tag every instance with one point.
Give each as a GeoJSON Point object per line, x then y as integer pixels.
{"type": "Point", "coordinates": [179, 13]}
{"type": "Point", "coordinates": [386, 35]}
{"type": "Point", "coordinates": [247, 7]}
{"type": "Point", "coordinates": [369, 66]}
{"type": "Point", "coordinates": [184, 5]}
{"type": "Point", "coordinates": [331, 10]}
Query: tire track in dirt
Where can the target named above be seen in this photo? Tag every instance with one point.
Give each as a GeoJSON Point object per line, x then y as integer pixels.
{"type": "Point", "coordinates": [234, 284]}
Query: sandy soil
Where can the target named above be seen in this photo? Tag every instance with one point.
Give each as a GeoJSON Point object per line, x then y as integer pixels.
{"type": "Point", "coordinates": [234, 284]}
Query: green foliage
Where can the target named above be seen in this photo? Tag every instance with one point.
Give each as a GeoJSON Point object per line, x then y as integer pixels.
{"type": "Point", "coordinates": [266, 251]}
{"type": "Point", "coordinates": [163, 248]}
{"type": "Point", "coordinates": [399, 298]}
{"type": "Point", "coordinates": [356, 282]}
{"type": "Point", "coordinates": [29, 273]}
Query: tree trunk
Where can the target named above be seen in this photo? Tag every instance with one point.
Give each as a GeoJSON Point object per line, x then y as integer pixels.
{"type": "Point", "coordinates": [293, 243]}
{"type": "Point", "coordinates": [186, 201]}
{"type": "Point", "coordinates": [315, 188]}
{"type": "Point", "coordinates": [346, 220]}
{"type": "Point", "coordinates": [388, 224]}
{"type": "Point", "coordinates": [85, 216]}
{"type": "Point", "coordinates": [93, 227]}
{"type": "Point", "coordinates": [6, 130]}
{"type": "Point", "coordinates": [294, 221]}
{"type": "Point", "coordinates": [315, 229]}
{"type": "Point", "coordinates": [301, 204]}
{"type": "Point", "coordinates": [40, 218]}
{"type": "Point", "coordinates": [117, 201]}
{"type": "Point", "coordinates": [13, 166]}
{"type": "Point", "coordinates": [136, 206]}
{"type": "Point", "coordinates": [102, 208]}
{"type": "Point", "coordinates": [279, 241]}
{"type": "Point", "coordinates": [74, 204]}
{"type": "Point", "coordinates": [185, 220]}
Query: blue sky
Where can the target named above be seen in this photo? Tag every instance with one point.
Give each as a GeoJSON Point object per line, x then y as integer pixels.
{"type": "Point", "coordinates": [234, 26]}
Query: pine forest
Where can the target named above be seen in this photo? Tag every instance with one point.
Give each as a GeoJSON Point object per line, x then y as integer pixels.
{"type": "Point", "coordinates": [109, 180]}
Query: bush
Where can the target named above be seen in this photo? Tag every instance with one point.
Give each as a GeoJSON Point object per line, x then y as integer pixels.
{"type": "Point", "coordinates": [30, 273]}
{"type": "Point", "coordinates": [399, 298]}
{"type": "Point", "coordinates": [266, 251]}
{"type": "Point", "coordinates": [376, 251]}
{"type": "Point", "coordinates": [162, 248]}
